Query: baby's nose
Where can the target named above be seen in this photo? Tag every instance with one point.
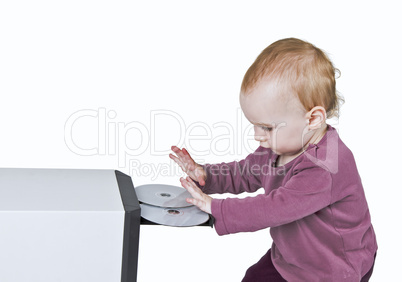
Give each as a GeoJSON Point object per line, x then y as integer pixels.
{"type": "Point", "coordinates": [259, 135]}
{"type": "Point", "coordinates": [260, 138]}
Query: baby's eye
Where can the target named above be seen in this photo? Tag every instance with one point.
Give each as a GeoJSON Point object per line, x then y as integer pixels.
{"type": "Point", "coordinates": [265, 128]}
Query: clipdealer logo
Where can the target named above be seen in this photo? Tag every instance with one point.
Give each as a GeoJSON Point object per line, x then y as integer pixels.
{"type": "Point", "coordinates": [129, 140]}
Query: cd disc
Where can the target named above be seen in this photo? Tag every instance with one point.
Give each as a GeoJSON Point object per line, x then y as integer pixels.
{"type": "Point", "coordinates": [188, 216]}
{"type": "Point", "coordinates": [162, 195]}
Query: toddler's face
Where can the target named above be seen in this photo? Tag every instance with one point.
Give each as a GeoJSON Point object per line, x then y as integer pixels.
{"type": "Point", "coordinates": [279, 119]}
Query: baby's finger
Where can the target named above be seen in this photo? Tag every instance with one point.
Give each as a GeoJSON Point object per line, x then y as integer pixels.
{"type": "Point", "coordinates": [198, 194]}
{"type": "Point", "coordinates": [175, 148]}
{"type": "Point", "coordinates": [185, 158]}
{"type": "Point", "coordinates": [190, 188]}
{"type": "Point", "coordinates": [179, 162]}
{"type": "Point", "coordinates": [192, 184]}
{"type": "Point", "coordinates": [189, 159]}
{"type": "Point", "coordinates": [176, 159]}
{"type": "Point", "coordinates": [201, 180]}
{"type": "Point", "coordinates": [178, 152]}
{"type": "Point", "coordinates": [200, 176]}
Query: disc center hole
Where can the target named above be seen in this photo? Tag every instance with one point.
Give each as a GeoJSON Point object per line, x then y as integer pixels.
{"type": "Point", "coordinates": [173, 212]}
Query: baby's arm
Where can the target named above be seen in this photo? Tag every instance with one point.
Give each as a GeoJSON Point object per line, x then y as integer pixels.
{"type": "Point", "coordinates": [234, 177]}
{"type": "Point", "coordinates": [304, 194]}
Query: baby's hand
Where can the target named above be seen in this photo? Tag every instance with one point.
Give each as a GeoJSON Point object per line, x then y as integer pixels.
{"type": "Point", "coordinates": [188, 165]}
{"type": "Point", "coordinates": [200, 199]}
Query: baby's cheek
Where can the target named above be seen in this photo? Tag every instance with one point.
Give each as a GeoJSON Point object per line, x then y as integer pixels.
{"type": "Point", "coordinates": [287, 141]}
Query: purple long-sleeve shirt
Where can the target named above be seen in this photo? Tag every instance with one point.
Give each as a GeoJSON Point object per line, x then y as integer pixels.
{"type": "Point", "coordinates": [315, 205]}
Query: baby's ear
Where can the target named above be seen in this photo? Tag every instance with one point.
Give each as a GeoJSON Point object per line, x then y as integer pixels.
{"type": "Point", "coordinates": [316, 117]}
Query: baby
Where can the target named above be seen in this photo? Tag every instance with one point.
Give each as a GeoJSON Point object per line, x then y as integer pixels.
{"type": "Point", "coordinates": [314, 201]}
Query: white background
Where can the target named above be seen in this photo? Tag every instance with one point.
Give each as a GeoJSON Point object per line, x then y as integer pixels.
{"type": "Point", "coordinates": [93, 72]}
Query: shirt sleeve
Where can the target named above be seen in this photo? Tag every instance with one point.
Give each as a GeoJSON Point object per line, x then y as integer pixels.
{"type": "Point", "coordinates": [306, 192]}
{"type": "Point", "coordinates": [235, 177]}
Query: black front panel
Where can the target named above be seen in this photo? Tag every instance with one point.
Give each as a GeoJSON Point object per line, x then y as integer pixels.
{"type": "Point", "coordinates": [132, 220]}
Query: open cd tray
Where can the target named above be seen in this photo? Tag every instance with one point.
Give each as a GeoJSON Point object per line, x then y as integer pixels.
{"type": "Point", "coordinates": [210, 222]}
{"type": "Point", "coordinates": [163, 204]}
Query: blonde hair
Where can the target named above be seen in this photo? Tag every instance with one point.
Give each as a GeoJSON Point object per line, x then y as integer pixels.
{"type": "Point", "coordinates": [294, 63]}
